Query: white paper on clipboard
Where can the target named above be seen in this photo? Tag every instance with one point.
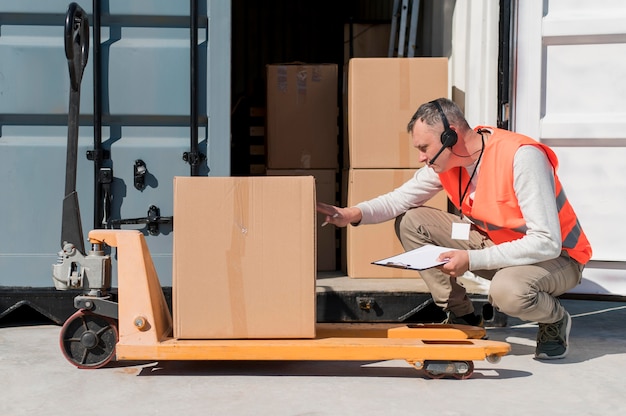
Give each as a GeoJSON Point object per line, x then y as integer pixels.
{"type": "Point", "coordinates": [421, 258]}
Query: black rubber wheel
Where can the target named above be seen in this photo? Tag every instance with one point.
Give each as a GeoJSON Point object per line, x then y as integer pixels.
{"type": "Point", "coordinates": [436, 374]}
{"type": "Point", "coordinates": [467, 374]}
{"type": "Point", "coordinates": [88, 340]}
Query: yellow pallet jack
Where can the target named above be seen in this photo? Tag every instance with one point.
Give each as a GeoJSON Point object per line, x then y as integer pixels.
{"type": "Point", "coordinates": [139, 325]}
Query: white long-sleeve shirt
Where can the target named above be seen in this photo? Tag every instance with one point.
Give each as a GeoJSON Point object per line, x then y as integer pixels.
{"type": "Point", "coordinates": [535, 190]}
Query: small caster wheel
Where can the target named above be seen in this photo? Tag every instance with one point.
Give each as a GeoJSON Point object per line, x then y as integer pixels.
{"type": "Point", "coordinates": [494, 358]}
{"type": "Point", "coordinates": [88, 340]}
{"type": "Point", "coordinates": [434, 374]}
{"type": "Point", "coordinates": [460, 370]}
{"type": "Point", "coordinates": [464, 370]}
{"type": "Point", "coordinates": [437, 369]}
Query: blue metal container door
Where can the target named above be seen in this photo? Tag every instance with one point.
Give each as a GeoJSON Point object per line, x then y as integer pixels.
{"type": "Point", "coordinates": [145, 90]}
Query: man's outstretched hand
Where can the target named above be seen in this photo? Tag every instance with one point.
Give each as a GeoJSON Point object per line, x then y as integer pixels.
{"type": "Point", "coordinates": [339, 217]}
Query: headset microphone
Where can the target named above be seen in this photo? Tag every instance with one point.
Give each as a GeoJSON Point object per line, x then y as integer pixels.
{"type": "Point", "coordinates": [431, 161]}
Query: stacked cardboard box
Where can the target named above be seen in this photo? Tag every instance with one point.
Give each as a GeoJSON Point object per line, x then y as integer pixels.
{"type": "Point", "coordinates": [369, 40]}
{"type": "Point", "coordinates": [302, 110]}
{"type": "Point", "coordinates": [367, 243]}
{"type": "Point", "coordinates": [302, 116]}
{"type": "Point", "coordinates": [383, 94]}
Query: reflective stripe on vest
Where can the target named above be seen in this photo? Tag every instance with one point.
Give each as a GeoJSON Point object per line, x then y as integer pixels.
{"type": "Point", "coordinates": [492, 227]}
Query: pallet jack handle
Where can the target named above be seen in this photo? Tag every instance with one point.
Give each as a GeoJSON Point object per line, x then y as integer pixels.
{"type": "Point", "coordinates": [76, 43]}
{"type": "Point", "coordinates": [77, 53]}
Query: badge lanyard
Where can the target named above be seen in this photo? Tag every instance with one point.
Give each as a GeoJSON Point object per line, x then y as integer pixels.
{"type": "Point", "coordinates": [462, 194]}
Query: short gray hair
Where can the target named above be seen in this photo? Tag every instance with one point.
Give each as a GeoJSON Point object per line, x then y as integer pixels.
{"type": "Point", "coordinates": [429, 114]}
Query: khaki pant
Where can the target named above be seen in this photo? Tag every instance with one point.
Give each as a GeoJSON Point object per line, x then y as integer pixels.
{"type": "Point", "coordinates": [526, 292]}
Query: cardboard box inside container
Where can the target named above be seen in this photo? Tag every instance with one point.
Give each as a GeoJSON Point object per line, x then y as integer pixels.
{"type": "Point", "coordinates": [368, 243]}
{"type": "Point", "coordinates": [302, 112]}
{"type": "Point", "coordinates": [383, 95]}
{"type": "Point", "coordinates": [244, 257]}
{"type": "Point", "coordinates": [325, 191]}
{"type": "Point", "coordinates": [369, 40]}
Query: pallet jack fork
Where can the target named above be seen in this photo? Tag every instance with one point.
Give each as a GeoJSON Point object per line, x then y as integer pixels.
{"type": "Point", "coordinates": [141, 328]}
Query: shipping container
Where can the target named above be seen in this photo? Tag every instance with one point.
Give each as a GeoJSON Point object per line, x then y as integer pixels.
{"type": "Point", "coordinates": [180, 89]}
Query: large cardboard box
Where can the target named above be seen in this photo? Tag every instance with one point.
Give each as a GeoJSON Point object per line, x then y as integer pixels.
{"type": "Point", "coordinates": [325, 191]}
{"type": "Point", "coordinates": [369, 40]}
{"type": "Point", "coordinates": [302, 111]}
{"type": "Point", "coordinates": [383, 95]}
{"type": "Point", "coordinates": [368, 243]}
{"type": "Point", "coordinates": [244, 257]}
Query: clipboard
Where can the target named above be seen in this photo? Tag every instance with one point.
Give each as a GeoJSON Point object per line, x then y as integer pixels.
{"type": "Point", "coordinates": [421, 258]}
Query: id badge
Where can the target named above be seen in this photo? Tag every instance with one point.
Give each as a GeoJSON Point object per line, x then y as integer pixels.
{"type": "Point", "coordinates": [460, 231]}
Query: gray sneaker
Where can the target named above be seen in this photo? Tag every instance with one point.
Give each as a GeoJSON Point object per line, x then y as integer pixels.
{"type": "Point", "coordinates": [552, 339]}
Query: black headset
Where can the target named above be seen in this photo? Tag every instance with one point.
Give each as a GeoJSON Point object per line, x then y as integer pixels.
{"type": "Point", "coordinates": [448, 137]}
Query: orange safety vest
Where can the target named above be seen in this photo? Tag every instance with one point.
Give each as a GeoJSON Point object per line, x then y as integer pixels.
{"type": "Point", "coordinates": [495, 209]}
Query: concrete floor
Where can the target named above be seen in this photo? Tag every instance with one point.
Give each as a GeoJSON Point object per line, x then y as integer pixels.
{"type": "Point", "coordinates": [37, 380]}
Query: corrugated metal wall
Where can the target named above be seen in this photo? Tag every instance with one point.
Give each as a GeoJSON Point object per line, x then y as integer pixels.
{"type": "Point", "coordinates": [146, 112]}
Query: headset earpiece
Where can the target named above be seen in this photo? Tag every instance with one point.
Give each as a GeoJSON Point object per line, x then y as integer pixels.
{"type": "Point", "coordinates": [449, 136]}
